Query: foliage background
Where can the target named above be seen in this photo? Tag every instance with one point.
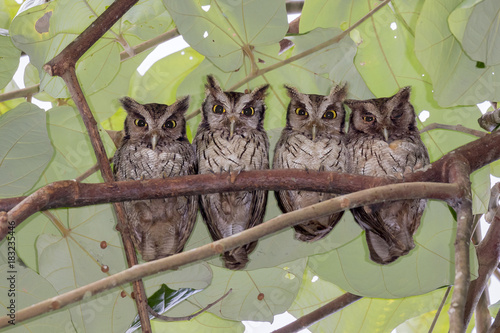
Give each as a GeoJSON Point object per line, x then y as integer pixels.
{"type": "Point", "coordinates": [445, 49]}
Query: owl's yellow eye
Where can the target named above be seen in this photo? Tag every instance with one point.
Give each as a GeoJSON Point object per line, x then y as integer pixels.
{"type": "Point", "coordinates": [368, 119]}
{"type": "Point", "coordinates": [249, 111]}
{"type": "Point", "coordinates": [170, 124]}
{"type": "Point", "coordinates": [301, 112]}
{"type": "Point", "coordinates": [140, 123]}
{"type": "Point", "coordinates": [330, 114]}
{"type": "Point", "coordinates": [218, 109]}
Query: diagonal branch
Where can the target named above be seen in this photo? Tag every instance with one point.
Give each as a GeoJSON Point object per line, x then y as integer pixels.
{"type": "Point", "coordinates": [63, 65]}
{"type": "Point", "coordinates": [319, 314]}
{"type": "Point", "coordinates": [488, 254]}
{"type": "Point", "coordinates": [361, 198]}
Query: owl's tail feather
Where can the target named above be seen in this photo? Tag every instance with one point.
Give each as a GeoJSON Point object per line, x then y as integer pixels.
{"type": "Point", "coordinates": [237, 258]}
{"type": "Point", "coordinates": [314, 230]}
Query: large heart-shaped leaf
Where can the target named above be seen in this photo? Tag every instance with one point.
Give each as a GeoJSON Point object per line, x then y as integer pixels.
{"type": "Point", "coordinates": [25, 150]}
{"type": "Point", "coordinates": [429, 266]}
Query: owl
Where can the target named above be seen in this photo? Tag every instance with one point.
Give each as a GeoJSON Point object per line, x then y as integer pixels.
{"type": "Point", "coordinates": [383, 141]}
{"type": "Point", "coordinates": [154, 145]}
{"type": "Point", "coordinates": [231, 137]}
{"type": "Point", "coordinates": [313, 139]}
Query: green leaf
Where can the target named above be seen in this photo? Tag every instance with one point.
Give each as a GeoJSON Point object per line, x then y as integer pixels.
{"type": "Point", "coordinates": [455, 77]}
{"type": "Point", "coordinates": [227, 31]}
{"type": "Point", "coordinates": [427, 267]}
{"type": "Point", "coordinates": [159, 84]}
{"type": "Point", "coordinates": [73, 156]}
{"type": "Point", "coordinates": [366, 315]}
{"type": "Point", "coordinates": [44, 31]}
{"type": "Point", "coordinates": [25, 150]}
{"type": "Point", "coordinates": [9, 58]}
{"type": "Point", "coordinates": [459, 17]}
{"type": "Point", "coordinates": [256, 295]}
{"type": "Point", "coordinates": [162, 300]}
{"type": "Point", "coordinates": [481, 38]}
{"type": "Point", "coordinates": [206, 322]}
{"type": "Point", "coordinates": [31, 288]}
{"type": "Point", "coordinates": [317, 73]}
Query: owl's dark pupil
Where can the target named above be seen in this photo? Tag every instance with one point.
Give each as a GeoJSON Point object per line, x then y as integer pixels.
{"type": "Point", "coordinates": [218, 109]}
{"type": "Point", "coordinates": [140, 122]}
{"type": "Point", "coordinates": [329, 115]}
{"type": "Point", "coordinates": [248, 111]}
{"type": "Point", "coordinates": [301, 112]}
{"type": "Point", "coordinates": [170, 124]}
{"type": "Point", "coordinates": [368, 119]}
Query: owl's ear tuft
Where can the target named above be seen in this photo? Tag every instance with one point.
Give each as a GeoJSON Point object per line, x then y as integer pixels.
{"type": "Point", "coordinates": [404, 93]}
{"type": "Point", "coordinates": [260, 92]}
{"type": "Point", "coordinates": [340, 91]}
{"type": "Point", "coordinates": [292, 92]}
{"type": "Point", "coordinates": [182, 104]}
{"type": "Point", "coordinates": [212, 86]}
{"type": "Point", "coordinates": [129, 104]}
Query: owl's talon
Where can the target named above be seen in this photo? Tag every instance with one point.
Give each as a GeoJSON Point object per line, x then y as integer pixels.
{"type": "Point", "coordinates": [234, 175]}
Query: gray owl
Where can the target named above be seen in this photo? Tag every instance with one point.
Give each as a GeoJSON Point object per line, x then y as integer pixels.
{"type": "Point", "coordinates": [383, 141]}
{"type": "Point", "coordinates": [155, 145]}
{"type": "Point", "coordinates": [231, 137]}
{"type": "Point", "coordinates": [313, 139]}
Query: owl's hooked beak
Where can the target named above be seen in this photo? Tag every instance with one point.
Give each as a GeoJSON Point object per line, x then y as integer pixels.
{"type": "Point", "coordinates": [232, 122]}
{"type": "Point", "coordinates": [154, 140]}
{"type": "Point", "coordinates": [385, 132]}
{"type": "Point", "coordinates": [313, 132]}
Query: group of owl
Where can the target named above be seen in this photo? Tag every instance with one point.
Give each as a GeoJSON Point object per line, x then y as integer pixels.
{"type": "Point", "coordinates": [382, 140]}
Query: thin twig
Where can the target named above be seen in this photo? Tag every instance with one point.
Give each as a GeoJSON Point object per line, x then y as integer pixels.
{"type": "Point", "coordinates": [166, 36]}
{"type": "Point", "coordinates": [361, 198]}
{"type": "Point", "coordinates": [458, 128]}
{"type": "Point", "coordinates": [443, 302]}
{"type": "Point", "coordinates": [187, 318]}
{"type": "Point", "coordinates": [321, 313]}
{"type": "Point", "coordinates": [21, 93]}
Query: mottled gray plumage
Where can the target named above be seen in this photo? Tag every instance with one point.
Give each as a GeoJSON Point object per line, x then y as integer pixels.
{"type": "Point", "coordinates": [383, 141]}
{"type": "Point", "coordinates": [231, 137]}
{"type": "Point", "coordinates": [155, 145]}
{"type": "Point", "coordinates": [313, 139]}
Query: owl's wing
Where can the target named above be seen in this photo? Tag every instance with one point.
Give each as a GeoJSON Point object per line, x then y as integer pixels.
{"type": "Point", "coordinates": [189, 212]}
{"type": "Point", "coordinates": [378, 238]}
{"type": "Point", "coordinates": [284, 199]}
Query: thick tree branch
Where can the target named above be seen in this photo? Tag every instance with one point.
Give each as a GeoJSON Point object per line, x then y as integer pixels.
{"type": "Point", "coordinates": [459, 173]}
{"type": "Point", "coordinates": [73, 194]}
{"type": "Point", "coordinates": [361, 198]}
{"type": "Point", "coordinates": [319, 314]}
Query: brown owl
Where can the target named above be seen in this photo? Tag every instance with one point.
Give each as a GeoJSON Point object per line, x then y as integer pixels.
{"type": "Point", "coordinates": [313, 139]}
{"type": "Point", "coordinates": [231, 137]}
{"type": "Point", "coordinates": [383, 141]}
{"type": "Point", "coordinates": [155, 145]}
